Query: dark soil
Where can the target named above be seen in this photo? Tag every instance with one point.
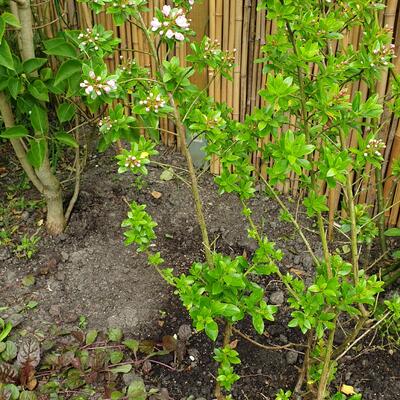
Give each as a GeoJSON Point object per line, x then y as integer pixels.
{"type": "Point", "coordinates": [88, 271]}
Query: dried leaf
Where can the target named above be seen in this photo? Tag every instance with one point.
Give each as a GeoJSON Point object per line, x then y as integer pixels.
{"type": "Point", "coordinates": [180, 350]}
{"type": "Point", "coordinates": [233, 344]}
{"type": "Point", "coordinates": [297, 272]}
{"type": "Point", "coordinates": [147, 346]}
{"type": "Point", "coordinates": [78, 335]}
{"type": "Point", "coordinates": [146, 367]}
{"type": "Point", "coordinates": [29, 353]}
{"type": "Point", "coordinates": [167, 174]}
{"type": "Point", "coordinates": [347, 390]}
{"type": "Point", "coordinates": [7, 373]}
{"type": "Point", "coordinates": [184, 332]}
{"type": "Point", "coordinates": [169, 343]}
{"type": "Point", "coordinates": [156, 194]}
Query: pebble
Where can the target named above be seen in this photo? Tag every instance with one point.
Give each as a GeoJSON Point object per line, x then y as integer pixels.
{"type": "Point", "coordinates": [277, 297]}
{"type": "Point", "coordinates": [291, 357]}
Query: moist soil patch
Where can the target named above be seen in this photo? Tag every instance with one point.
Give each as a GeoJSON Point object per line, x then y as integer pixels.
{"type": "Point", "coordinates": [89, 275]}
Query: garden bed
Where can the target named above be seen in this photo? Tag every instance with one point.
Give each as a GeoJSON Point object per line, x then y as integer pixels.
{"type": "Point", "coordinates": [87, 276]}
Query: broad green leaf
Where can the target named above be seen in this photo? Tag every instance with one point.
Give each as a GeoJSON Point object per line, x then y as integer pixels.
{"type": "Point", "coordinates": [39, 90]}
{"type": "Point", "coordinates": [137, 390]}
{"type": "Point", "coordinates": [67, 139]}
{"type": "Point", "coordinates": [116, 357]}
{"type": "Point", "coordinates": [33, 64]}
{"type": "Point", "coordinates": [124, 369]}
{"type": "Point", "coordinates": [36, 152]}
{"type": "Point", "coordinates": [132, 344]}
{"type": "Point", "coordinates": [211, 329]}
{"type": "Point", "coordinates": [15, 132]}
{"type": "Point", "coordinates": [258, 323]}
{"type": "Point", "coordinates": [59, 47]}
{"type": "Point", "coordinates": [14, 86]}
{"type": "Point", "coordinates": [392, 232]}
{"type": "Point", "coordinates": [10, 352]}
{"type": "Point", "coordinates": [91, 336]}
{"type": "Point", "coordinates": [67, 69]}
{"type": "Point", "coordinates": [5, 331]}
{"type": "Point", "coordinates": [65, 112]}
{"type": "Point", "coordinates": [39, 119]}
{"type": "Point", "coordinates": [115, 334]}
{"type": "Point", "coordinates": [2, 27]}
{"type": "Point", "coordinates": [27, 395]}
{"type": "Point", "coordinates": [6, 58]}
{"type": "Point", "coordinates": [11, 19]}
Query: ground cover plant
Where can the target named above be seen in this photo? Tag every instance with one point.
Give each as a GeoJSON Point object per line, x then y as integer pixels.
{"type": "Point", "coordinates": [313, 122]}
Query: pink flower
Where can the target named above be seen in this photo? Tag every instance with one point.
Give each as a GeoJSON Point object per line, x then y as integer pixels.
{"type": "Point", "coordinates": [166, 10]}
{"type": "Point", "coordinates": [155, 24]}
{"type": "Point", "coordinates": [182, 22]}
{"type": "Point", "coordinates": [112, 84]}
{"type": "Point", "coordinates": [179, 36]}
{"type": "Point", "coordinates": [191, 2]}
{"type": "Point", "coordinates": [169, 34]}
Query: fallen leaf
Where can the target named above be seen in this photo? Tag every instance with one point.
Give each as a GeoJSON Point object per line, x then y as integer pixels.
{"type": "Point", "coordinates": [297, 272]}
{"type": "Point", "coordinates": [233, 344]}
{"type": "Point", "coordinates": [347, 390]}
{"type": "Point", "coordinates": [169, 343]}
{"type": "Point", "coordinates": [167, 174]}
{"type": "Point", "coordinates": [146, 367]}
{"type": "Point", "coordinates": [156, 194]}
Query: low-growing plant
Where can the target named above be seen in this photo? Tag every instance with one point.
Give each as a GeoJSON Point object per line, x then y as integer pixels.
{"type": "Point", "coordinates": [28, 246]}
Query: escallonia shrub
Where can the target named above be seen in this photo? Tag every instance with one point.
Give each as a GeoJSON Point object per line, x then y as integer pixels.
{"type": "Point", "coordinates": [308, 110]}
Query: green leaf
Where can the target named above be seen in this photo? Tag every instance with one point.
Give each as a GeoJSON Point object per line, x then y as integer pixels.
{"type": "Point", "coordinates": [116, 357]}
{"type": "Point", "coordinates": [66, 139]}
{"type": "Point", "coordinates": [65, 112]}
{"type": "Point", "coordinates": [167, 174]}
{"type": "Point", "coordinates": [5, 331]}
{"type": "Point", "coordinates": [26, 395]}
{"type": "Point", "coordinates": [137, 390]}
{"type": "Point", "coordinates": [14, 85]}
{"type": "Point", "coordinates": [28, 280]}
{"type": "Point", "coordinates": [15, 132]}
{"type": "Point", "coordinates": [115, 334]}
{"type": "Point", "coordinates": [36, 152]}
{"type": "Point", "coordinates": [33, 64]}
{"type": "Point", "coordinates": [67, 69]}
{"type": "Point", "coordinates": [2, 27]}
{"type": "Point", "coordinates": [91, 336]}
{"type": "Point", "coordinates": [124, 369]}
{"type": "Point", "coordinates": [258, 323]}
{"type": "Point", "coordinates": [10, 352]}
{"type": "Point", "coordinates": [6, 58]}
{"type": "Point", "coordinates": [132, 344]}
{"type": "Point", "coordinates": [393, 232]}
{"type": "Point", "coordinates": [59, 47]}
{"type": "Point", "coordinates": [11, 19]}
{"type": "Point", "coordinates": [39, 119]}
{"type": "Point", "coordinates": [211, 329]}
{"type": "Point", "coordinates": [39, 90]}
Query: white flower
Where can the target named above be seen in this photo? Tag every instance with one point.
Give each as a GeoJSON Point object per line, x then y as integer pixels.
{"type": "Point", "coordinates": [112, 84]}
{"type": "Point", "coordinates": [166, 10]}
{"type": "Point", "coordinates": [92, 75]}
{"type": "Point", "coordinates": [155, 24]}
{"type": "Point", "coordinates": [89, 90]}
{"type": "Point", "coordinates": [107, 89]}
{"type": "Point", "coordinates": [182, 22]}
{"type": "Point", "coordinates": [82, 84]}
{"type": "Point", "coordinates": [179, 36]}
{"type": "Point", "coordinates": [169, 34]}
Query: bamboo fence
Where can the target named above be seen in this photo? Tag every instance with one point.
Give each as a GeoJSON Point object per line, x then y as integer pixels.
{"type": "Point", "coordinates": [237, 25]}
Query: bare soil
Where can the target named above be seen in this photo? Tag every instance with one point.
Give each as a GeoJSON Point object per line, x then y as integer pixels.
{"type": "Point", "coordinates": [88, 271]}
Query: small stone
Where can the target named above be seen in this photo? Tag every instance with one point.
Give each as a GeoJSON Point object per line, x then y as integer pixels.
{"type": "Point", "coordinates": [296, 260]}
{"type": "Point", "coordinates": [277, 297]}
{"type": "Point", "coordinates": [184, 332]}
{"type": "Point", "coordinates": [283, 339]}
{"type": "Point", "coordinates": [307, 262]}
{"type": "Point", "coordinates": [291, 357]}
{"type": "Point", "coordinates": [64, 256]}
{"type": "Point", "coordinates": [25, 215]}
{"type": "Point", "coordinates": [55, 310]}
{"type": "Point", "coordinates": [347, 376]}
{"type": "Point", "coordinates": [5, 254]}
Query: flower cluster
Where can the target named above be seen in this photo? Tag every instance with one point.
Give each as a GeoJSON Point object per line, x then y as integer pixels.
{"type": "Point", "coordinates": [89, 38]}
{"type": "Point", "coordinates": [106, 123]}
{"type": "Point", "coordinates": [132, 161]}
{"type": "Point", "coordinates": [153, 103]}
{"type": "Point", "coordinates": [374, 148]}
{"type": "Point", "coordinates": [97, 86]}
{"type": "Point", "coordinates": [170, 23]}
{"type": "Point", "coordinates": [384, 54]}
